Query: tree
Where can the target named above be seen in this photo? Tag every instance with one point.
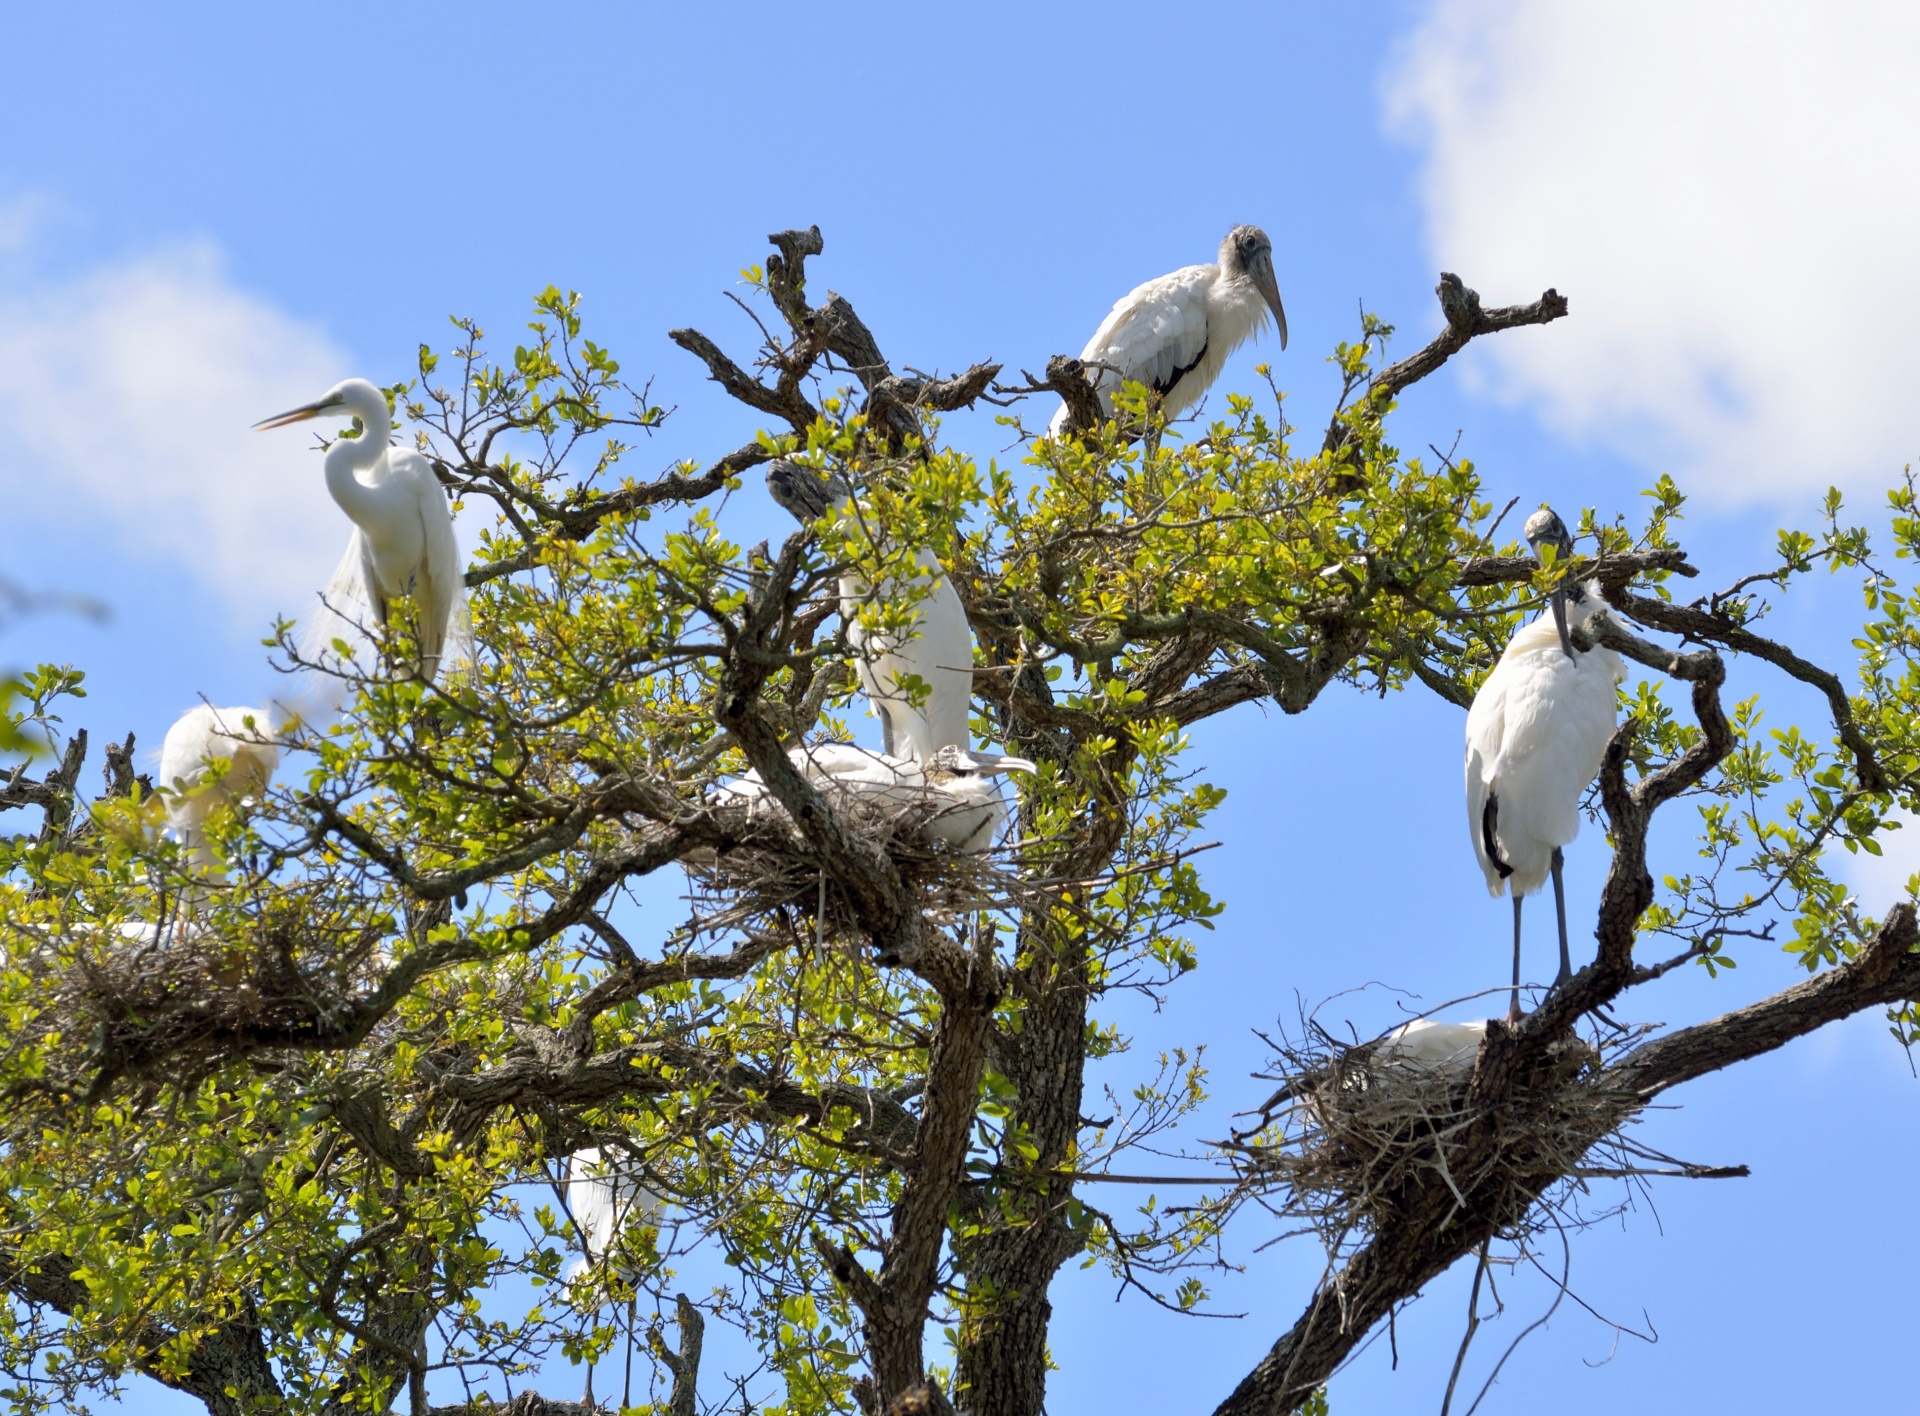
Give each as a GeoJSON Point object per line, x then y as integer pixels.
{"type": "Point", "coordinates": [277, 1139]}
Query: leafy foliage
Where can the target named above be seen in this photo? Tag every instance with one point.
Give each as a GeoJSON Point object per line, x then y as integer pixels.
{"type": "Point", "coordinates": [319, 1109]}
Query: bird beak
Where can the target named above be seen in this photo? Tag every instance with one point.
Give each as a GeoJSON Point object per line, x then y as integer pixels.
{"type": "Point", "coordinates": [1557, 602]}
{"type": "Point", "coordinates": [994, 762]}
{"type": "Point", "coordinates": [300, 414]}
{"type": "Point", "coordinates": [1263, 277]}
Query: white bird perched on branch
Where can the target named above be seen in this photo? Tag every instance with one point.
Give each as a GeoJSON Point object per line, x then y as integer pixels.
{"type": "Point", "coordinates": [952, 794]}
{"type": "Point", "coordinates": [1535, 735]}
{"type": "Point", "coordinates": [1174, 334]}
{"type": "Point", "coordinates": [245, 741]}
{"type": "Point", "coordinates": [937, 651]}
{"type": "Point", "coordinates": [403, 542]}
{"type": "Point", "coordinates": [603, 1198]}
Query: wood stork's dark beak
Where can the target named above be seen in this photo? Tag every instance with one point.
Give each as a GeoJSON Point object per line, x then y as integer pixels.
{"type": "Point", "coordinates": [1269, 287]}
{"type": "Point", "coordinates": [1545, 528]}
{"type": "Point", "coordinates": [300, 414]}
{"type": "Point", "coordinates": [1557, 602]}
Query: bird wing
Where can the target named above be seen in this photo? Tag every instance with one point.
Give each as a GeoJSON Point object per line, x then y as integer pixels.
{"type": "Point", "coordinates": [1156, 332]}
{"type": "Point", "coordinates": [1559, 714]}
{"type": "Point", "coordinates": [348, 610]}
{"type": "Point", "coordinates": [1486, 721]}
{"type": "Point", "coordinates": [938, 650]}
{"type": "Point", "coordinates": [1435, 1044]}
{"type": "Point", "coordinates": [590, 1198]}
{"type": "Point", "coordinates": [439, 591]}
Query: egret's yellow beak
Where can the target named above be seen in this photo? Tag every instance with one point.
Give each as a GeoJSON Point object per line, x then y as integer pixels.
{"type": "Point", "coordinates": [299, 415]}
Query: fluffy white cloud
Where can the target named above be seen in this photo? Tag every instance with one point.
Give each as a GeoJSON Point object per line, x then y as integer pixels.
{"type": "Point", "coordinates": [128, 394]}
{"type": "Point", "coordinates": [1727, 193]}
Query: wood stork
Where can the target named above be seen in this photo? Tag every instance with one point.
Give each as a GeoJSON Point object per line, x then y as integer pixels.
{"type": "Point", "coordinates": [1422, 1045]}
{"type": "Point", "coordinates": [1174, 334]}
{"type": "Point", "coordinates": [1434, 1045]}
{"type": "Point", "coordinates": [603, 1198]}
{"type": "Point", "coordinates": [938, 651]}
{"type": "Point", "coordinates": [952, 795]}
{"type": "Point", "coordinates": [245, 742]}
{"type": "Point", "coordinates": [1535, 735]}
{"type": "Point", "coordinates": [403, 543]}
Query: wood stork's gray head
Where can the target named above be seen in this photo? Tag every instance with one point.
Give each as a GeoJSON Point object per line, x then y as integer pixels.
{"type": "Point", "coordinates": [1545, 528]}
{"type": "Point", "coordinates": [951, 766]}
{"type": "Point", "coordinates": [1247, 254]}
{"type": "Point", "coordinates": [804, 492]}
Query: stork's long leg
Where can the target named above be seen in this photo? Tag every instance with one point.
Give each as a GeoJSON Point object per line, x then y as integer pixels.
{"type": "Point", "coordinates": [1560, 911]}
{"type": "Point", "coordinates": [1513, 1008]}
{"type": "Point", "coordinates": [626, 1389]}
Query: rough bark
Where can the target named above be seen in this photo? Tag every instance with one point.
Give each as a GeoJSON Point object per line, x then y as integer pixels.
{"type": "Point", "coordinates": [1429, 1232]}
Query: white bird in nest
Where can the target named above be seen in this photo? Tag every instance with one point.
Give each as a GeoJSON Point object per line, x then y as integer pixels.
{"type": "Point", "coordinates": [937, 650]}
{"type": "Point", "coordinates": [1173, 334]}
{"type": "Point", "coordinates": [603, 1198]}
{"type": "Point", "coordinates": [1437, 1046]}
{"type": "Point", "coordinates": [402, 545]}
{"type": "Point", "coordinates": [215, 759]}
{"type": "Point", "coordinates": [952, 795]}
{"type": "Point", "coordinates": [1536, 733]}
{"type": "Point", "coordinates": [1421, 1046]}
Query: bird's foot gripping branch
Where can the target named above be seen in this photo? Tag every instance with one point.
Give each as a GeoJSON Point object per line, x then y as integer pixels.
{"type": "Point", "coordinates": [298, 1094]}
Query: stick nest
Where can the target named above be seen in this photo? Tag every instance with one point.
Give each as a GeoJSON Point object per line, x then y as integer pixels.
{"type": "Point", "coordinates": [1356, 1132]}
{"type": "Point", "coordinates": [775, 871]}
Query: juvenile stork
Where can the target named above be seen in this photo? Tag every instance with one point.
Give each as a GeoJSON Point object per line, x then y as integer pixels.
{"type": "Point", "coordinates": [937, 650]}
{"type": "Point", "coordinates": [1174, 334]}
{"type": "Point", "coordinates": [1535, 735]}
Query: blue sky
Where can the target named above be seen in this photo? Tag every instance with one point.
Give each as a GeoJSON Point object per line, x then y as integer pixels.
{"type": "Point", "coordinates": [207, 217]}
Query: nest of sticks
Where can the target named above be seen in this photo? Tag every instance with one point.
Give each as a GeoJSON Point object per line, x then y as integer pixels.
{"type": "Point", "coordinates": [774, 871]}
{"type": "Point", "coordinates": [181, 996]}
{"type": "Point", "coordinates": [1356, 1130]}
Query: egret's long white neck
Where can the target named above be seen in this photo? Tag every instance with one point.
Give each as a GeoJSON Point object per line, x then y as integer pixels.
{"type": "Point", "coordinates": [349, 456]}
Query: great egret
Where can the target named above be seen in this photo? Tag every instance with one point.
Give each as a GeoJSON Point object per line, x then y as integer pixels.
{"type": "Point", "coordinates": [403, 543]}
{"type": "Point", "coordinates": [247, 741]}
{"type": "Point", "coordinates": [952, 795]}
{"type": "Point", "coordinates": [938, 650]}
{"type": "Point", "coordinates": [1174, 333]}
{"type": "Point", "coordinates": [1535, 735]}
{"type": "Point", "coordinates": [603, 1199]}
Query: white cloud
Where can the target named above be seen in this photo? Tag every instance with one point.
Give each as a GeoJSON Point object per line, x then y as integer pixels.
{"type": "Point", "coordinates": [1881, 881]}
{"type": "Point", "coordinates": [1726, 191]}
{"type": "Point", "coordinates": [128, 394]}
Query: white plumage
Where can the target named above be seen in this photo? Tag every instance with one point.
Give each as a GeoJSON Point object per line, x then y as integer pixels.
{"type": "Point", "coordinates": [952, 794]}
{"type": "Point", "coordinates": [1536, 733]}
{"type": "Point", "coordinates": [245, 740]}
{"type": "Point", "coordinates": [1173, 334]}
{"type": "Point", "coordinates": [936, 648]}
{"type": "Point", "coordinates": [1434, 1045]}
{"type": "Point", "coordinates": [603, 1199]}
{"type": "Point", "coordinates": [938, 652]}
{"type": "Point", "coordinates": [403, 543]}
